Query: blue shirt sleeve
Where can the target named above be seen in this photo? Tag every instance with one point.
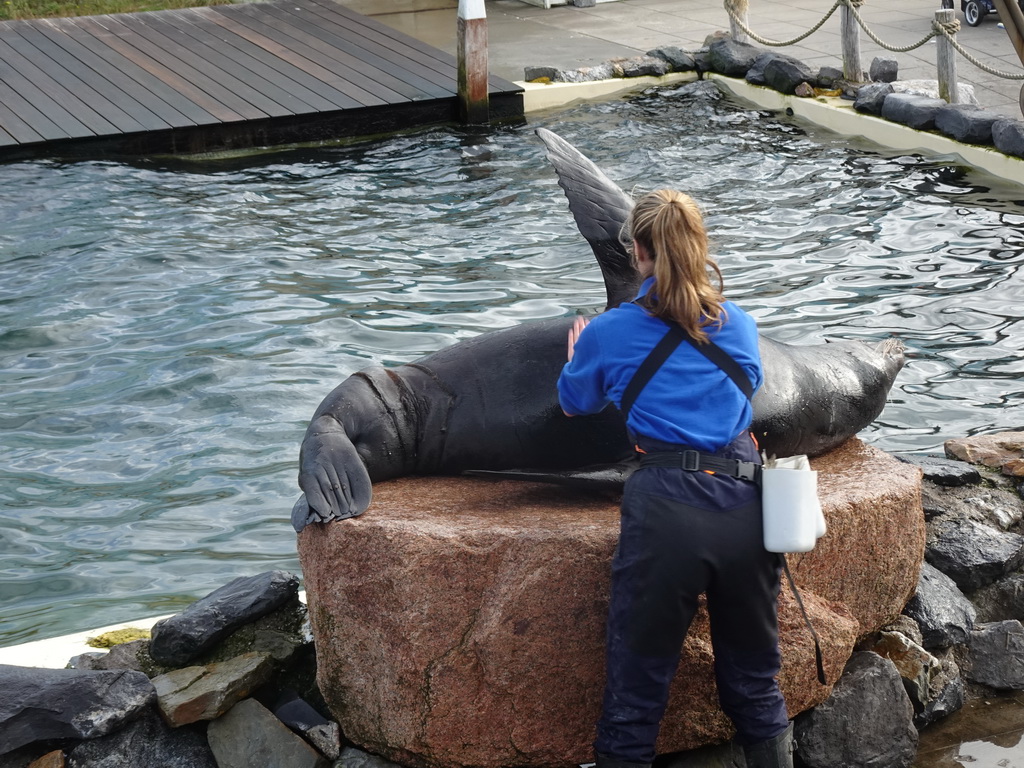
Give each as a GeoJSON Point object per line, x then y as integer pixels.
{"type": "Point", "coordinates": [581, 386]}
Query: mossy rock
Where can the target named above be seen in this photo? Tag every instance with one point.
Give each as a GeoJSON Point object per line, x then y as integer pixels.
{"type": "Point", "coordinates": [117, 637]}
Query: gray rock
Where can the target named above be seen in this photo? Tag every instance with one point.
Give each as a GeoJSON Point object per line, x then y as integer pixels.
{"type": "Point", "coordinates": [326, 738]}
{"type": "Point", "coordinates": [907, 627]}
{"type": "Point", "coordinates": [356, 758]}
{"type": "Point", "coordinates": [883, 70]}
{"type": "Point", "coordinates": [971, 553]}
{"type": "Point", "coordinates": [930, 89]}
{"type": "Point", "coordinates": [678, 59]}
{"type": "Point", "coordinates": [146, 742]}
{"type": "Point", "coordinates": [132, 655]}
{"type": "Point", "coordinates": [784, 74]}
{"type": "Point", "coordinates": [642, 66]}
{"type": "Point", "coordinates": [996, 508]}
{"type": "Point", "coordinates": [732, 59]}
{"type": "Point", "coordinates": [994, 503]}
{"type": "Point", "coordinates": [45, 704]}
{"type": "Point", "coordinates": [942, 471]}
{"type": "Point", "coordinates": [946, 694]}
{"type": "Point", "coordinates": [1001, 600]}
{"type": "Point", "coordinates": [755, 75]}
{"type": "Point", "coordinates": [916, 112]}
{"type": "Point", "coordinates": [179, 639]}
{"type": "Point", "coordinates": [1008, 137]}
{"type": "Point", "coordinates": [940, 609]}
{"type": "Point", "coordinates": [871, 97]}
{"type": "Point", "coordinates": [997, 655]}
{"type": "Point", "coordinates": [584, 3]}
{"type": "Point", "coordinates": [249, 735]}
{"type": "Point", "coordinates": [302, 718]}
{"type": "Point", "coordinates": [829, 77]}
{"type": "Point", "coordinates": [966, 123]}
{"type": "Point", "coordinates": [605, 71]}
{"type": "Point", "coordinates": [539, 73]}
{"type": "Point", "coordinates": [191, 694]}
{"type": "Point", "coordinates": [702, 59]}
{"type": "Point", "coordinates": [867, 722]}
{"type": "Point", "coordinates": [916, 666]}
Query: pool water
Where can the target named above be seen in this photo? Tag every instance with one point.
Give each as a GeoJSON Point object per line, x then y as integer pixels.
{"type": "Point", "coordinates": [168, 327]}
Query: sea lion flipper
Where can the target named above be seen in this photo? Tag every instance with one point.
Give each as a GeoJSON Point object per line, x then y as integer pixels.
{"type": "Point", "coordinates": [332, 476]}
{"type": "Point", "coordinates": [600, 208]}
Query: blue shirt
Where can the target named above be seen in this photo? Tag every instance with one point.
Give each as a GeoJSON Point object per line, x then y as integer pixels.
{"type": "Point", "coordinates": [690, 400]}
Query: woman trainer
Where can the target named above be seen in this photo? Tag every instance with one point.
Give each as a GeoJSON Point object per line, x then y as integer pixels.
{"type": "Point", "coordinates": [691, 515]}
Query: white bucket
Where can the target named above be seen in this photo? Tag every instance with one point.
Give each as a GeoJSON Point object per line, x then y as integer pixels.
{"type": "Point", "coordinates": [793, 520]}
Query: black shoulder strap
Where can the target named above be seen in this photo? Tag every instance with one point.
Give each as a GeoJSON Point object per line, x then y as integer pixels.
{"type": "Point", "coordinates": [663, 350]}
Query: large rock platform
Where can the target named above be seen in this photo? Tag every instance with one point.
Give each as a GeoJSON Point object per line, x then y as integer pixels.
{"type": "Point", "coordinates": [460, 622]}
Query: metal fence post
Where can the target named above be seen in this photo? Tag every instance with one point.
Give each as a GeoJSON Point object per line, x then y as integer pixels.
{"type": "Point", "coordinates": [474, 107]}
{"type": "Point", "coordinates": [945, 60]}
{"type": "Point", "coordinates": [853, 70]}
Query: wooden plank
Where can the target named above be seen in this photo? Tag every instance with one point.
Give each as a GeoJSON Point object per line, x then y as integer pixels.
{"type": "Point", "coordinates": [27, 116]}
{"type": "Point", "coordinates": [435, 64]}
{"type": "Point", "coordinates": [399, 40]}
{"type": "Point", "coordinates": [282, 75]}
{"type": "Point", "coordinates": [6, 140]}
{"type": "Point", "coordinates": [173, 88]}
{"type": "Point", "coordinates": [36, 89]}
{"type": "Point", "coordinates": [62, 71]}
{"type": "Point", "coordinates": [339, 60]}
{"type": "Point", "coordinates": [302, 56]}
{"type": "Point", "coordinates": [122, 73]}
{"type": "Point", "coordinates": [173, 24]}
{"type": "Point", "coordinates": [234, 92]}
{"type": "Point", "coordinates": [108, 82]}
{"type": "Point", "coordinates": [181, 75]}
{"type": "Point", "coordinates": [354, 97]}
{"type": "Point", "coordinates": [425, 54]}
{"type": "Point", "coordinates": [408, 78]}
{"type": "Point", "coordinates": [12, 126]}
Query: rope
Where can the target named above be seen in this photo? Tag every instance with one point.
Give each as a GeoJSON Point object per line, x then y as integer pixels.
{"type": "Point", "coordinates": [951, 36]}
{"type": "Point", "coordinates": [943, 29]}
{"type": "Point", "coordinates": [730, 8]}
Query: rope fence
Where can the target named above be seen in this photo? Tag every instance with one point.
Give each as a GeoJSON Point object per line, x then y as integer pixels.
{"type": "Point", "coordinates": [943, 29]}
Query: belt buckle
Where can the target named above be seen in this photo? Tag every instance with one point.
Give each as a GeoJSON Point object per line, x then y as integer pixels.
{"type": "Point", "coordinates": [747, 470]}
{"type": "Point", "coordinates": [691, 460]}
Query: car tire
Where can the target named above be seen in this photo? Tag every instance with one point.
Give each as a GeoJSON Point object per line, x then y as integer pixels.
{"type": "Point", "coordinates": [973, 13]}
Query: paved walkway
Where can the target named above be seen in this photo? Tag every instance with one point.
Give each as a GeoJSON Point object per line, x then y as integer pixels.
{"type": "Point", "coordinates": [565, 36]}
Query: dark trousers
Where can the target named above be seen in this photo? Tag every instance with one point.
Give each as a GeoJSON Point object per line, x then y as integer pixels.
{"type": "Point", "coordinates": [684, 533]}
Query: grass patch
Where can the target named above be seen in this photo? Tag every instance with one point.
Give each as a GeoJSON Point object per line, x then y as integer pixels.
{"type": "Point", "coordinates": [36, 9]}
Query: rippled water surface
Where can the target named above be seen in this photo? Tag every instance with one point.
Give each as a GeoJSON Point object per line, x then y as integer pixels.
{"type": "Point", "coordinates": [166, 329]}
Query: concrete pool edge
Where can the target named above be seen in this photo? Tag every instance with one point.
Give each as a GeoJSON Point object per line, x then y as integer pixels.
{"type": "Point", "coordinates": [833, 114]}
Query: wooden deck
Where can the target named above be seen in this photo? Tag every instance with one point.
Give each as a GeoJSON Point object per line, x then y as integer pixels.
{"type": "Point", "coordinates": [220, 77]}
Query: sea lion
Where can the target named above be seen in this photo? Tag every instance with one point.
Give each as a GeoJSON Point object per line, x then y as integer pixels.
{"type": "Point", "coordinates": [490, 403]}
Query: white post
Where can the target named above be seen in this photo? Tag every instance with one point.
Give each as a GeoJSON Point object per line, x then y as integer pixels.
{"type": "Point", "coordinates": [945, 60]}
{"type": "Point", "coordinates": [853, 70]}
{"type": "Point", "coordinates": [472, 54]}
{"type": "Point", "coordinates": [740, 7]}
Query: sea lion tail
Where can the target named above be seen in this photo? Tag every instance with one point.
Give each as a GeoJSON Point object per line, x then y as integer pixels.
{"type": "Point", "coordinates": [600, 209]}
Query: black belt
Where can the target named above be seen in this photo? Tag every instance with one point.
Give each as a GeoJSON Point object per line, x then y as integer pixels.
{"type": "Point", "coordinates": [695, 461]}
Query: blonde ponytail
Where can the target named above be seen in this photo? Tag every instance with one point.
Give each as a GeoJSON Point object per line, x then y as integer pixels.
{"type": "Point", "coordinates": [670, 227]}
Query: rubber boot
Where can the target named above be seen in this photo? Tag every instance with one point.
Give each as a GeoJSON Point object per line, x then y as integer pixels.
{"type": "Point", "coordinates": [774, 753]}
{"type": "Point", "coordinates": [603, 761]}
